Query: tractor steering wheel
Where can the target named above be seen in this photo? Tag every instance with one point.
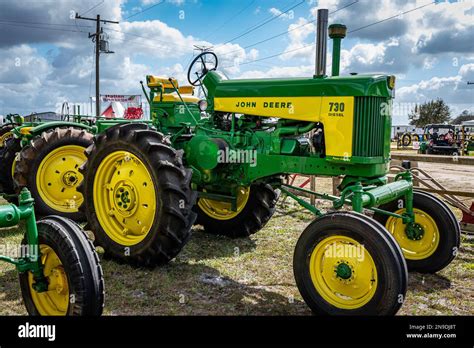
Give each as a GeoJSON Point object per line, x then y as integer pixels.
{"type": "Point", "coordinates": [200, 66]}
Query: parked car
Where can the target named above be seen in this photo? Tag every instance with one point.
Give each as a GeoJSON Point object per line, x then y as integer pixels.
{"type": "Point", "coordinates": [441, 139]}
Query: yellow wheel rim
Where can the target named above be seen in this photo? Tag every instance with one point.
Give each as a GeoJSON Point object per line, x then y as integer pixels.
{"type": "Point", "coordinates": [54, 301]}
{"type": "Point", "coordinates": [17, 156]}
{"type": "Point", "coordinates": [343, 272]}
{"type": "Point", "coordinates": [420, 248]}
{"type": "Point", "coordinates": [223, 210]}
{"type": "Point", "coordinates": [58, 176]}
{"type": "Point", "coordinates": [5, 137]}
{"type": "Point", "coordinates": [124, 198]}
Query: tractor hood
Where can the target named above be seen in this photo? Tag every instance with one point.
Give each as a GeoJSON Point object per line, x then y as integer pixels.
{"type": "Point", "coordinates": [355, 86]}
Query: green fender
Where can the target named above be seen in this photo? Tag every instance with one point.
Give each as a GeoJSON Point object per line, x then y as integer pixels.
{"type": "Point", "coordinates": [38, 130]}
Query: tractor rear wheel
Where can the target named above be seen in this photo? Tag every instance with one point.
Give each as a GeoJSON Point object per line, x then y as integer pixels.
{"type": "Point", "coordinates": [348, 264]}
{"type": "Point", "coordinates": [138, 197]}
{"type": "Point", "coordinates": [72, 269]}
{"type": "Point", "coordinates": [434, 242]}
{"type": "Point", "coordinates": [255, 206]}
{"type": "Point", "coordinates": [5, 134]}
{"type": "Point", "coordinates": [49, 168]}
{"type": "Point", "coordinates": [406, 139]}
{"type": "Point", "coordinates": [7, 164]}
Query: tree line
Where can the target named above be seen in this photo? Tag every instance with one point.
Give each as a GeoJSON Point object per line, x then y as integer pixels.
{"type": "Point", "coordinates": [436, 111]}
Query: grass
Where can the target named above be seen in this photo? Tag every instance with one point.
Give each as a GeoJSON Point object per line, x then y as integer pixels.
{"type": "Point", "coordinates": [220, 276]}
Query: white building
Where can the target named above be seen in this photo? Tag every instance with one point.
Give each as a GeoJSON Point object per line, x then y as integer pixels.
{"type": "Point", "coordinates": [468, 123]}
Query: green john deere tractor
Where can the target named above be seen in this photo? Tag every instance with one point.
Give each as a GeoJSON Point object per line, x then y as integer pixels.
{"type": "Point", "coordinates": [221, 161]}
{"type": "Point", "coordinates": [45, 157]}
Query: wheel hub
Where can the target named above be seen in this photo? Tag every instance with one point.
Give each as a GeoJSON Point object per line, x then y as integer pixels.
{"type": "Point", "coordinates": [58, 176]}
{"type": "Point", "coordinates": [414, 231]}
{"type": "Point", "coordinates": [343, 270]}
{"type": "Point", "coordinates": [70, 178]}
{"type": "Point", "coordinates": [124, 197]}
{"type": "Point", "coordinates": [60, 280]}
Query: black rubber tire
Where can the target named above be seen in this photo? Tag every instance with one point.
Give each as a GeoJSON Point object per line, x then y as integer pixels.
{"type": "Point", "coordinates": [32, 155]}
{"type": "Point", "coordinates": [391, 268]}
{"type": "Point", "coordinates": [171, 228]}
{"type": "Point", "coordinates": [254, 216]}
{"type": "Point", "coordinates": [7, 158]}
{"type": "Point", "coordinates": [5, 133]}
{"type": "Point", "coordinates": [81, 265]}
{"type": "Point", "coordinates": [448, 226]}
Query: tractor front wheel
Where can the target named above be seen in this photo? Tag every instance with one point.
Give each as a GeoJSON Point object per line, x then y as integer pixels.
{"type": "Point", "coordinates": [138, 197]}
{"type": "Point", "coordinates": [72, 269]}
{"type": "Point", "coordinates": [347, 264]}
{"type": "Point", "coordinates": [49, 168]}
{"type": "Point", "coordinates": [255, 206]}
{"type": "Point", "coordinates": [434, 239]}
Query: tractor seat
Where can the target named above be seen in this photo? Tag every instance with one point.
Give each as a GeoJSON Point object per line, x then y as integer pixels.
{"type": "Point", "coordinates": [174, 98]}
{"type": "Point", "coordinates": [169, 95]}
{"type": "Point", "coordinates": [157, 81]}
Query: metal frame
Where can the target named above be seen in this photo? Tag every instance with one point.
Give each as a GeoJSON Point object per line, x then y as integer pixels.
{"type": "Point", "coordinates": [11, 215]}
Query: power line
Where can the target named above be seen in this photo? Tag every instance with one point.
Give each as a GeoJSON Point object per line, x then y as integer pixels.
{"type": "Point", "coordinates": [27, 25]}
{"type": "Point", "coordinates": [224, 24]}
{"type": "Point", "coordinates": [273, 56]}
{"type": "Point", "coordinates": [42, 23]}
{"type": "Point", "coordinates": [269, 39]}
{"type": "Point", "coordinates": [343, 7]}
{"type": "Point", "coordinates": [360, 28]}
{"type": "Point", "coordinates": [230, 19]}
{"type": "Point", "coordinates": [93, 7]}
{"type": "Point", "coordinates": [392, 17]}
{"type": "Point", "coordinates": [287, 31]}
{"type": "Point", "coordinates": [264, 23]}
{"type": "Point", "coordinates": [92, 70]}
{"type": "Point", "coordinates": [147, 38]}
{"type": "Point", "coordinates": [43, 28]}
{"type": "Point", "coordinates": [146, 9]}
{"type": "Point", "coordinates": [178, 49]}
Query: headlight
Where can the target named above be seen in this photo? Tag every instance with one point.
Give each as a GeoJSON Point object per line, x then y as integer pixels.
{"type": "Point", "coordinates": [202, 105]}
{"type": "Point", "coordinates": [391, 81]}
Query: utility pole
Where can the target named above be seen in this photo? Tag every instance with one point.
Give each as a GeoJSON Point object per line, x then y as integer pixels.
{"type": "Point", "coordinates": [100, 46]}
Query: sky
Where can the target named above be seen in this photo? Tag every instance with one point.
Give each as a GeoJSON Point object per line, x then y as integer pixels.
{"type": "Point", "coordinates": [46, 57]}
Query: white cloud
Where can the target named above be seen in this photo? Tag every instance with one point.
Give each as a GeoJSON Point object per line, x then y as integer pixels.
{"type": "Point", "coordinates": [285, 16]}
{"type": "Point", "coordinates": [429, 63]}
{"type": "Point", "coordinates": [174, 2]}
{"type": "Point", "coordinates": [232, 55]}
{"type": "Point", "coordinates": [467, 71]}
{"type": "Point", "coordinates": [298, 34]}
{"type": "Point", "coordinates": [420, 39]}
{"type": "Point", "coordinates": [453, 89]}
{"type": "Point", "coordinates": [273, 72]}
{"type": "Point", "coordinates": [65, 73]}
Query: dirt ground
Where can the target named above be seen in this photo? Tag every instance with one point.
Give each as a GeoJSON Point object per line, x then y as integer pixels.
{"type": "Point", "coordinates": [220, 276]}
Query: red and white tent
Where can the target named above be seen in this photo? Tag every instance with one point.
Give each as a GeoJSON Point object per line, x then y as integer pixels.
{"type": "Point", "coordinates": [114, 110]}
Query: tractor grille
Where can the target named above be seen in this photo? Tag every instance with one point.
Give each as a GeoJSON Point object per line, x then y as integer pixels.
{"type": "Point", "coordinates": [369, 127]}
